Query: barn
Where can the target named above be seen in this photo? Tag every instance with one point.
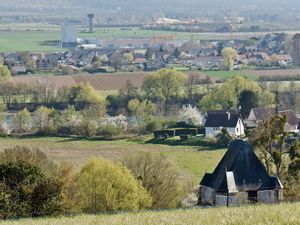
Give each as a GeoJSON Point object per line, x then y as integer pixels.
{"type": "Point", "coordinates": [239, 178]}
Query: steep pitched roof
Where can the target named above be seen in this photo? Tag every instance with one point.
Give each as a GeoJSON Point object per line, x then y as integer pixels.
{"type": "Point", "coordinates": [292, 119]}
{"type": "Point", "coordinates": [262, 114]}
{"type": "Point", "coordinates": [222, 118]}
{"type": "Point", "coordinates": [248, 171]}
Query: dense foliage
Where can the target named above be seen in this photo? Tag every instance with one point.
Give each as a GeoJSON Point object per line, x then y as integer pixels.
{"type": "Point", "coordinates": [105, 186]}
{"type": "Point", "coordinates": [159, 177]}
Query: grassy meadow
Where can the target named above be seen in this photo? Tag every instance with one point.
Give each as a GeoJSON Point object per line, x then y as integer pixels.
{"type": "Point", "coordinates": [192, 159]}
{"type": "Point", "coordinates": [229, 74]}
{"type": "Point", "coordinates": [283, 214]}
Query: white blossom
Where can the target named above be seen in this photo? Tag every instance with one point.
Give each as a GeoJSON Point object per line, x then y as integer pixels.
{"type": "Point", "coordinates": [190, 114]}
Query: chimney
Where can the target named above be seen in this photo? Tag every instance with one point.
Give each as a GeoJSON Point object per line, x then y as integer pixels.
{"type": "Point", "coordinates": [228, 114]}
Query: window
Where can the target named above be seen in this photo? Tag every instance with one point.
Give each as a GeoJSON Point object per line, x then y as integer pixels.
{"type": "Point", "coordinates": [252, 196]}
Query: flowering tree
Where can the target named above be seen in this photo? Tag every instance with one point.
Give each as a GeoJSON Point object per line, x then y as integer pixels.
{"type": "Point", "coordinates": [116, 121]}
{"type": "Point", "coordinates": [190, 114]}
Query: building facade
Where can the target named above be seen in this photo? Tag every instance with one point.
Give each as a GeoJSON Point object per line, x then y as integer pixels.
{"type": "Point", "coordinates": [239, 178]}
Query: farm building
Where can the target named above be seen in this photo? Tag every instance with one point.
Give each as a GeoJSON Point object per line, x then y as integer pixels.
{"type": "Point", "coordinates": [239, 178]}
{"type": "Point", "coordinates": [218, 119]}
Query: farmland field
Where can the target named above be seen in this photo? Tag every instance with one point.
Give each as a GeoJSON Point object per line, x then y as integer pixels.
{"type": "Point", "coordinates": [283, 214]}
{"type": "Point", "coordinates": [28, 38]}
{"type": "Point", "coordinates": [115, 81]}
{"type": "Point", "coordinates": [194, 160]}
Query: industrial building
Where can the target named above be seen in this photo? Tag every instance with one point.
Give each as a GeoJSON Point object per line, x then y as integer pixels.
{"type": "Point", "coordinates": [69, 34]}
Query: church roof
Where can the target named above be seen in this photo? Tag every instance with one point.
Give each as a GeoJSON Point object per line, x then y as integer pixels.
{"type": "Point", "coordinates": [247, 170]}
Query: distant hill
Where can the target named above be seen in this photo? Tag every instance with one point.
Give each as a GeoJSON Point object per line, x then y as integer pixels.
{"type": "Point", "coordinates": [137, 5]}
{"type": "Point", "coordinates": [132, 9]}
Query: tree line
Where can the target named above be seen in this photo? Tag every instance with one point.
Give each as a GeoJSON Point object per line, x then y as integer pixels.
{"type": "Point", "coordinates": [31, 185]}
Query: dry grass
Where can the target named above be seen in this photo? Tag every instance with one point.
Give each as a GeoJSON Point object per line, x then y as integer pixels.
{"type": "Point", "coordinates": [284, 214]}
{"type": "Point", "coordinates": [194, 160]}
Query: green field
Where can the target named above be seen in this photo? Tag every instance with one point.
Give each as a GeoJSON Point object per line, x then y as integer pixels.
{"type": "Point", "coordinates": [283, 214]}
{"type": "Point", "coordinates": [15, 37]}
{"type": "Point", "coordinates": [228, 74]}
{"type": "Point", "coordinates": [193, 160]}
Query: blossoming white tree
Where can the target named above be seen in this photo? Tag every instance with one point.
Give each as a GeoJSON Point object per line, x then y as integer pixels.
{"type": "Point", "coordinates": [190, 114]}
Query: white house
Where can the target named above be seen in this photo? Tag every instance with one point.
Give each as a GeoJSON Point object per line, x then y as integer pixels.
{"type": "Point", "coordinates": [228, 119]}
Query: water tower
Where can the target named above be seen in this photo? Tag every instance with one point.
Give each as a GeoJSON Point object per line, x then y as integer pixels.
{"type": "Point", "coordinates": [91, 22]}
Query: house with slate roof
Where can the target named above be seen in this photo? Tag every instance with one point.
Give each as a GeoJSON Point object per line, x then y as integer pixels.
{"type": "Point", "coordinates": [216, 120]}
{"type": "Point", "coordinates": [239, 178]}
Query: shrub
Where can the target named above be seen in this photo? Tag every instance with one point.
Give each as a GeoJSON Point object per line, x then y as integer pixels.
{"type": "Point", "coordinates": [22, 121]}
{"type": "Point", "coordinates": [43, 121]}
{"type": "Point", "coordinates": [87, 128]}
{"type": "Point", "coordinates": [105, 186]}
{"type": "Point", "coordinates": [223, 139]}
{"type": "Point", "coordinates": [32, 156]}
{"type": "Point", "coordinates": [154, 126]}
{"type": "Point", "coordinates": [26, 191]}
{"type": "Point", "coordinates": [109, 131]}
{"type": "Point", "coordinates": [61, 174]}
{"type": "Point", "coordinates": [159, 177]}
{"type": "Point", "coordinates": [68, 122]}
{"type": "Point", "coordinates": [112, 126]}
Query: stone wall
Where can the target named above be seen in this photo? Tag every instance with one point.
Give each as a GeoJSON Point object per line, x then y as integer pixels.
{"type": "Point", "coordinates": [233, 200]}
{"type": "Point", "coordinates": [270, 196]}
{"type": "Point", "coordinates": [208, 195]}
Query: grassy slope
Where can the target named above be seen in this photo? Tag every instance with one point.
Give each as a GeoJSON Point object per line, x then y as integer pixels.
{"type": "Point", "coordinates": [193, 159]}
{"type": "Point", "coordinates": [283, 214]}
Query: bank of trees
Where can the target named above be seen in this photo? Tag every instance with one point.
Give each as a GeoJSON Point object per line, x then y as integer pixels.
{"type": "Point", "coordinates": [227, 95]}
{"type": "Point", "coordinates": [31, 185]}
{"type": "Point", "coordinates": [80, 110]}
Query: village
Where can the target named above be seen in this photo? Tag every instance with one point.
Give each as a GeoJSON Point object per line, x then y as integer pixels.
{"type": "Point", "coordinates": [150, 123]}
{"type": "Point", "coordinates": [150, 54]}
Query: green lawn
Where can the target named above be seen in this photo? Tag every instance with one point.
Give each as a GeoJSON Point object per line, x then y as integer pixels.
{"type": "Point", "coordinates": [283, 214]}
{"type": "Point", "coordinates": [228, 74]}
{"type": "Point", "coordinates": [194, 160]}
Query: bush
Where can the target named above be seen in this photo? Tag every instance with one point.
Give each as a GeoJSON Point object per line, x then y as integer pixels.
{"type": "Point", "coordinates": [22, 122]}
{"type": "Point", "coordinates": [43, 121]}
{"type": "Point", "coordinates": [26, 191]}
{"type": "Point", "coordinates": [32, 156]}
{"type": "Point", "coordinates": [223, 139]}
{"type": "Point", "coordinates": [88, 128]}
{"type": "Point", "coordinates": [109, 131]}
{"type": "Point", "coordinates": [105, 186]}
{"type": "Point", "coordinates": [56, 178]}
{"type": "Point", "coordinates": [159, 177]}
{"type": "Point", "coordinates": [154, 126]}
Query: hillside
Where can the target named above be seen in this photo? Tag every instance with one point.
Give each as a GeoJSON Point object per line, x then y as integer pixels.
{"type": "Point", "coordinates": [247, 215]}
{"type": "Point", "coordinates": [158, 7]}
